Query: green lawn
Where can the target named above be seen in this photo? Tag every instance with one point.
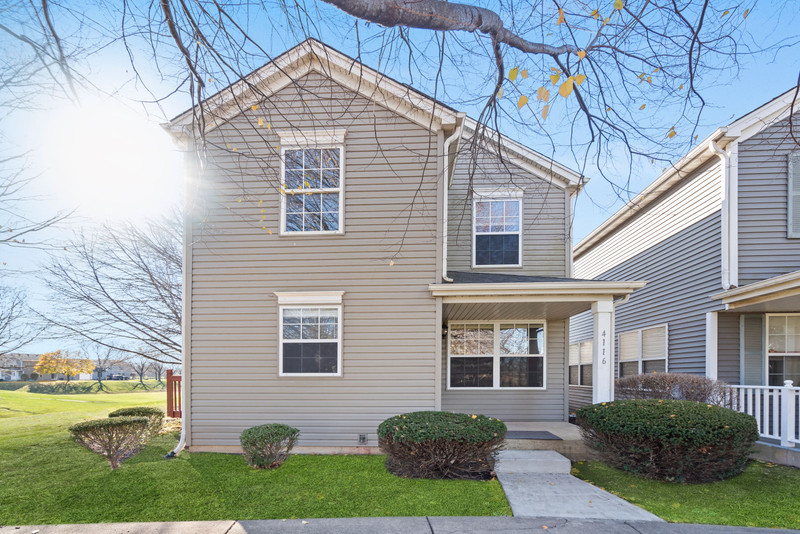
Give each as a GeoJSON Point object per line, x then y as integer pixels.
{"type": "Point", "coordinates": [765, 495]}
{"type": "Point", "coordinates": [46, 478]}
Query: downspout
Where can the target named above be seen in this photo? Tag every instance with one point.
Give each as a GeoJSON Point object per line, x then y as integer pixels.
{"type": "Point", "coordinates": [455, 136]}
{"type": "Point", "coordinates": [726, 215]}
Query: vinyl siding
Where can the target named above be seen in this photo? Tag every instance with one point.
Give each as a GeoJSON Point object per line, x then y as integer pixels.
{"type": "Point", "coordinates": [692, 200]}
{"type": "Point", "coordinates": [752, 348]}
{"type": "Point", "coordinates": [383, 262]}
{"type": "Point", "coordinates": [728, 344]}
{"type": "Point", "coordinates": [764, 248]}
{"type": "Point", "coordinates": [542, 405]}
{"type": "Point", "coordinates": [579, 396]}
{"type": "Point", "coordinates": [545, 228]}
{"type": "Point", "coordinates": [679, 253]}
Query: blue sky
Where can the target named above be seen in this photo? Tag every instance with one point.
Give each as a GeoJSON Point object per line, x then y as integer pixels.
{"type": "Point", "coordinates": [70, 142]}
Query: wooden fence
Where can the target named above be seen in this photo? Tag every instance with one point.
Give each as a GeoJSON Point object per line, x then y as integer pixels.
{"type": "Point", "coordinates": [173, 395]}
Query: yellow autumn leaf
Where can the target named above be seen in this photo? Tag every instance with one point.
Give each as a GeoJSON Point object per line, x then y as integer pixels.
{"type": "Point", "coordinates": [545, 111]}
{"type": "Point", "coordinates": [260, 122]}
{"type": "Point", "coordinates": [581, 54]}
{"type": "Point", "coordinates": [524, 73]}
{"type": "Point", "coordinates": [263, 217]}
{"type": "Point", "coordinates": [566, 88]}
{"type": "Point", "coordinates": [555, 70]}
{"type": "Point", "coordinates": [270, 232]}
{"type": "Point", "coordinates": [260, 202]}
{"type": "Point", "coordinates": [580, 78]}
{"type": "Point", "coordinates": [656, 70]}
{"type": "Point", "coordinates": [254, 107]}
{"type": "Point", "coordinates": [263, 227]}
{"type": "Point", "coordinates": [595, 14]}
{"type": "Point", "coordinates": [642, 75]}
{"type": "Point", "coordinates": [619, 4]}
{"type": "Point", "coordinates": [605, 21]}
{"type": "Point", "coordinates": [512, 74]}
{"type": "Point", "coordinates": [555, 77]}
{"type": "Point", "coordinates": [649, 79]}
{"type": "Point", "coordinates": [269, 127]}
{"type": "Point", "coordinates": [725, 13]}
{"type": "Point", "coordinates": [746, 11]}
{"type": "Point", "coordinates": [543, 94]}
{"type": "Point", "coordinates": [671, 133]}
{"type": "Point", "coordinates": [238, 200]}
{"type": "Point", "coordinates": [680, 87]}
{"type": "Point", "coordinates": [234, 149]}
{"type": "Point", "coordinates": [305, 183]}
{"type": "Point", "coordinates": [560, 17]}
{"type": "Point", "coordinates": [522, 101]}
{"type": "Point", "coordinates": [608, 108]}
{"type": "Point", "coordinates": [642, 106]}
{"type": "Point", "coordinates": [391, 263]}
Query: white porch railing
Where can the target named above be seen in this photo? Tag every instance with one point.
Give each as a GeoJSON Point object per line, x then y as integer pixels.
{"type": "Point", "coordinates": [775, 408]}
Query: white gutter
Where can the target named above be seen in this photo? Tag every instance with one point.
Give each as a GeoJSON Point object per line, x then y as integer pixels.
{"type": "Point", "coordinates": [455, 136]}
{"type": "Point", "coordinates": [726, 212]}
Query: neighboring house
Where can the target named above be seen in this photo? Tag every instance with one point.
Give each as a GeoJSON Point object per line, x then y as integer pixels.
{"type": "Point", "coordinates": [10, 367]}
{"type": "Point", "coordinates": [115, 370]}
{"type": "Point", "coordinates": [717, 238]}
{"type": "Point", "coordinates": [320, 288]}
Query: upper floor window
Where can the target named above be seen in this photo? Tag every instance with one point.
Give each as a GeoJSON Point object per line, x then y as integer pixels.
{"type": "Point", "coordinates": [497, 232]}
{"type": "Point", "coordinates": [643, 351]}
{"type": "Point", "coordinates": [312, 190]}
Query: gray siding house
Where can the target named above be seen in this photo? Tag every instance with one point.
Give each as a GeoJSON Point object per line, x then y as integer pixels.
{"type": "Point", "coordinates": [717, 238]}
{"type": "Point", "coordinates": [351, 254]}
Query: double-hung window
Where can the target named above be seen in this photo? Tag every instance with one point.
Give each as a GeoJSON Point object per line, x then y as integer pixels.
{"type": "Point", "coordinates": [496, 355]}
{"type": "Point", "coordinates": [580, 363]}
{"type": "Point", "coordinates": [643, 351]}
{"type": "Point", "coordinates": [312, 182]}
{"type": "Point", "coordinates": [783, 348]}
{"type": "Point", "coordinates": [497, 236]}
{"type": "Point", "coordinates": [310, 334]}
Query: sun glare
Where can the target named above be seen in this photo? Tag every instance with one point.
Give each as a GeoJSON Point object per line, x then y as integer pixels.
{"type": "Point", "coordinates": [111, 163]}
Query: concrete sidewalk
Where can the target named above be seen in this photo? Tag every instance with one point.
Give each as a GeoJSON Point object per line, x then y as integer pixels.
{"type": "Point", "coordinates": [539, 484]}
{"type": "Point", "coordinates": [394, 525]}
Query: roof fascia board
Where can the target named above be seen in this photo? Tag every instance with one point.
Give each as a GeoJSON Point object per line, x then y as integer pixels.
{"type": "Point", "coordinates": [696, 157]}
{"type": "Point", "coordinates": [741, 296]}
{"type": "Point", "coordinates": [314, 56]}
{"type": "Point", "coordinates": [583, 290]}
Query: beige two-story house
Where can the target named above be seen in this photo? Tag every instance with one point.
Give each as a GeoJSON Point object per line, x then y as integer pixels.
{"type": "Point", "coordinates": [354, 250]}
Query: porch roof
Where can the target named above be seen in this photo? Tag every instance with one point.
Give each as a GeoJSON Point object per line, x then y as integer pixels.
{"type": "Point", "coordinates": [487, 296]}
{"type": "Point", "coordinates": [777, 294]}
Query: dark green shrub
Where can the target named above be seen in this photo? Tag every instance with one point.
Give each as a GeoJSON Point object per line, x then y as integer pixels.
{"type": "Point", "coordinates": [12, 386]}
{"type": "Point", "coordinates": [115, 439]}
{"type": "Point", "coordinates": [61, 388]}
{"type": "Point", "coordinates": [155, 417]}
{"type": "Point", "coordinates": [670, 439]}
{"type": "Point", "coordinates": [268, 446]}
{"type": "Point", "coordinates": [441, 444]}
{"type": "Point", "coordinates": [674, 386]}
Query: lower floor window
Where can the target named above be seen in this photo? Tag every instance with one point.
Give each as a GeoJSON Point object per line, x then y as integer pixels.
{"type": "Point", "coordinates": [782, 368]}
{"type": "Point", "coordinates": [310, 340]}
{"type": "Point", "coordinates": [580, 364]}
{"type": "Point", "coordinates": [496, 355]}
{"type": "Point", "coordinates": [643, 351]}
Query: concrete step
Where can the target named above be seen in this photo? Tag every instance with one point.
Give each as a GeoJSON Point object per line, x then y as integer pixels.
{"type": "Point", "coordinates": [522, 462]}
{"type": "Point", "coordinates": [575, 450]}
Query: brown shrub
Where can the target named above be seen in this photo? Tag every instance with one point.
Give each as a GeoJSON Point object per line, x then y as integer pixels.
{"type": "Point", "coordinates": [673, 386]}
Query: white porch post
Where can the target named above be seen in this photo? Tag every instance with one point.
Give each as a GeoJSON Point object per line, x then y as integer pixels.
{"type": "Point", "coordinates": [603, 351]}
{"type": "Point", "coordinates": [712, 330]}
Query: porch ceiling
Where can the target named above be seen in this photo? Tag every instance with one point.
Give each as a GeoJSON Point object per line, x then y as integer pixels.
{"type": "Point", "coordinates": [500, 311]}
{"type": "Point", "coordinates": [780, 294]}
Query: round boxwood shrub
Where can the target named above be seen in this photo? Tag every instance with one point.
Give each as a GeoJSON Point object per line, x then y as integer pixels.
{"type": "Point", "coordinates": [670, 439]}
{"type": "Point", "coordinates": [115, 439]}
{"type": "Point", "coordinates": [268, 446]}
{"type": "Point", "coordinates": [441, 444]}
{"type": "Point", "coordinates": [155, 416]}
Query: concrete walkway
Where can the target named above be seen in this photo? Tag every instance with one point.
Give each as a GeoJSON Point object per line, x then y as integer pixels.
{"type": "Point", "coordinates": [538, 484]}
{"type": "Point", "coordinates": [395, 525]}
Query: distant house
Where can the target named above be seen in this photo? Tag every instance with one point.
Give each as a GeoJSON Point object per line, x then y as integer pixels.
{"type": "Point", "coordinates": [10, 367]}
{"type": "Point", "coordinates": [119, 369]}
{"type": "Point", "coordinates": [345, 261]}
{"type": "Point", "coordinates": [717, 238]}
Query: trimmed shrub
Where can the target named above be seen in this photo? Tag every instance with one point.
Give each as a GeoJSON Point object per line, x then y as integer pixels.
{"type": "Point", "coordinates": [670, 439]}
{"type": "Point", "coordinates": [61, 388]}
{"type": "Point", "coordinates": [115, 439]}
{"type": "Point", "coordinates": [673, 386]}
{"type": "Point", "coordinates": [268, 446]}
{"type": "Point", "coordinates": [12, 386]}
{"type": "Point", "coordinates": [441, 444]}
{"type": "Point", "coordinates": [155, 417]}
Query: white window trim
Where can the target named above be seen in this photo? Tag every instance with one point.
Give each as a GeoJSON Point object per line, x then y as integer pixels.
{"type": "Point", "coordinates": [310, 304]}
{"type": "Point", "coordinates": [312, 143]}
{"type": "Point", "coordinates": [793, 159]}
{"type": "Point", "coordinates": [767, 353]}
{"type": "Point", "coordinates": [640, 358]}
{"type": "Point", "coordinates": [515, 195]}
{"type": "Point", "coordinates": [496, 356]}
{"type": "Point", "coordinates": [579, 343]}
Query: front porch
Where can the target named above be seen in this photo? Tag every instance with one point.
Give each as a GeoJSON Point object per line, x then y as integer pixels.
{"type": "Point", "coordinates": [562, 437]}
{"type": "Point", "coordinates": [504, 351]}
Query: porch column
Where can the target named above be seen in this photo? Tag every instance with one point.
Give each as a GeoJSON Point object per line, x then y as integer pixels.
{"type": "Point", "coordinates": [603, 351]}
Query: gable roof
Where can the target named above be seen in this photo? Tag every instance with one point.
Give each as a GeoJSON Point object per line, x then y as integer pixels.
{"type": "Point", "coordinates": [739, 130]}
{"type": "Point", "coordinates": [314, 56]}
